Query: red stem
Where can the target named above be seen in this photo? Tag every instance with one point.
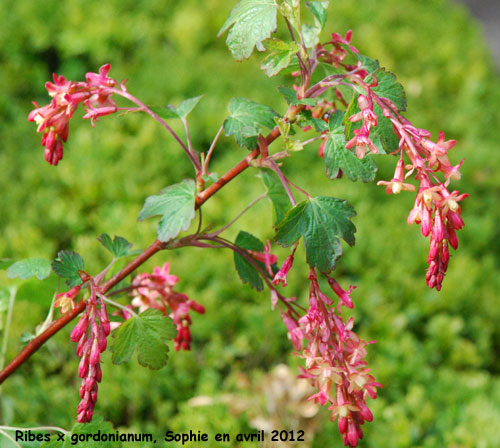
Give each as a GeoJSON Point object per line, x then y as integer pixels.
{"type": "Point", "coordinates": [202, 197]}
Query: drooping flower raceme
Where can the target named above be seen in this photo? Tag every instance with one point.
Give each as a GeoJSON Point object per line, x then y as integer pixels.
{"type": "Point", "coordinates": [334, 357]}
{"type": "Point", "coordinates": [91, 334]}
{"type": "Point", "coordinates": [53, 118]}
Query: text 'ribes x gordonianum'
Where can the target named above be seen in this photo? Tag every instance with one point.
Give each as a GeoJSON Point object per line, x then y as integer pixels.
{"type": "Point", "coordinates": [338, 99]}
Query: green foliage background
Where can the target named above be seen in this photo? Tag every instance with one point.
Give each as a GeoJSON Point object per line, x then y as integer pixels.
{"type": "Point", "coordinates": [436, 353]}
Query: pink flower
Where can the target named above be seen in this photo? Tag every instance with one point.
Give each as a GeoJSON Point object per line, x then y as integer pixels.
{"type": "Point", "coordinates": [362, 142]}
{"type": "Point", "coordinates": [282, 274]}
{"type": "Point", "coordinates": [53, 118]}
{"type": "Point", "coordinates": [65, 300]}
{"type": "Point", "coordinates": [265, 257]}
{"type": "Point", "coordinates": [396, 185]}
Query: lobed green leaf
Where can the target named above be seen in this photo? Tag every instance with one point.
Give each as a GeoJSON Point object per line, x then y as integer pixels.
{"type": "Point", "coordinates": [280, 56]}
{"type": "Point", "coordinates": [118, 246]}
{"type": "Point", "coordinates": [248, 119]}
{"type": "Point", "coordinates": [176, 205]}
{"type": "Point", "coordinates": [30, 267]}
{"type": "Point", "coordinates": [67, 264]}
{"type": "Point", "coordinates": [251, 22]}
{"type": "Point", "coordinates": [146, 334]}
{"type": "Point", "coordinates": [321, 221]}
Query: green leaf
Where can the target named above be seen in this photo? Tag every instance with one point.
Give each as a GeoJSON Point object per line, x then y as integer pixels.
{"type": "Point", "coordinates": [118, 246]}
{"type": "Point", "coordinates": [66, 265]}
{"type": "Point", "coordinates": [310, 34]}
{"type": "Point", "coordinates": [175, 204]}
{"type": "Point", "coordinates": [177, 112]}
{"type": "Point", "coordinates": [146, 334]}
{"type": "Point", "coordinates": [246, 120]}
{"type": "Point", "coordinates": [369, 64]}
{"type": "Point", "coordinates": [166, 112]}
{"type": "Point", "coordinates": [319, 10]}
{"type": "Point", "coordinates": [251, 21]}
{"type": "Point", "coordinates": [291, 97]}
{"type": "Point", "coordinates": [280, 56]}
{"type": "Point", "coordinates": [187, 106]}
{"type": "Point", "coordinates": [277, 194]}
{"type": "Point", "coordinates": [321, 221]}
{"type": "Point", "coordinates": [337, 156]}
{"type": "Point", "coordinates": [245, 269]}
{"type": "Point", "coordinates": [30, 267]}
{"type": "Point", "coordinates": [388, 87]}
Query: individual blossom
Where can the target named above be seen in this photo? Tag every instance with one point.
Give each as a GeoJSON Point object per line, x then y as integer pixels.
{"type": "Point", "coordinates": [65, 301]}
{"type": "Point", "coordinates": [366, 114]}
{"type": "Point", "coordinates": [361, 142]}
{"type": "Point", "coordinates": [396, 184]}
{"type": "Point", "coordinates": [281, 275]}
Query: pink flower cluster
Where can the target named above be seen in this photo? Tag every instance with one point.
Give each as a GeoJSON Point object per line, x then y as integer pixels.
{"type": "Point", "coordinates": [334, 355]}
{"type": "Point", "coordinates": [53, 118]}
{"type": "Point", "coordinates": [91, 334]}
{"type": "Point", "coordinates": [361, 139]}
{"type": "Point", "coordinates": [156, 291]}
{"type": "Point", "coordinates": [436, 209]}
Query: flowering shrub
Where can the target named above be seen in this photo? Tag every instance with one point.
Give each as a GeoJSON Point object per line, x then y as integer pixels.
{"type": "Point", "coordinates": [337, 98]}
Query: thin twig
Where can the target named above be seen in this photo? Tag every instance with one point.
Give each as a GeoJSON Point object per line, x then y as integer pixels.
{"type": "Point", "coordinates": [284, 181]}
{"type": "Point", "coordinates": [238, 216]}
{"type": "Point", "coordinates": [194, 160]}
{"type": "Point", "coordinates": [211, 149]}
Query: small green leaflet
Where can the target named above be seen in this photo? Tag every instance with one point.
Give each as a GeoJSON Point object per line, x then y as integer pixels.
{"type": "Point", "coordinates": [251, 21]}
{"type": "Point", "coordinates": [177, 112]}
{"type": "Point", "coordinates": [319, 10]}
{"type": "Point", "coordinates": [96, 425]}
{"type": "Point", "coordinates": [310, 33]}
{"type": "Point", "coordinates": [277, 194]}
{"type": "Point", "coordinates": [291, 97]}
{"type": "Point", "coordinates": [175, 204]}
{"type": "Point", "coordinates": [146, 333]}
{"type": "Point", "coordinates": [337, 156]}
{"type": "Point", "coordinates": [290, 10]}
{"type": "Point", "coordinates": [30, 267]}
{"type": "Point", "coordinates": [118, 246]}
{"type": "Point", "coordinates": [280, 56]}
{"type": "Point", "coordinates": [66, 265]}
{"type": "Point", "coordinates": [321, 221]}
{"type": "Point", "coordinates": [245, 269]}
{"type": "Point", "coordinates": [246, 120]}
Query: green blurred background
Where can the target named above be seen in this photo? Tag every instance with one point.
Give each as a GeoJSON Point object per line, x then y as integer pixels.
{"type": "Point", "coordinates": [437, 354]}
